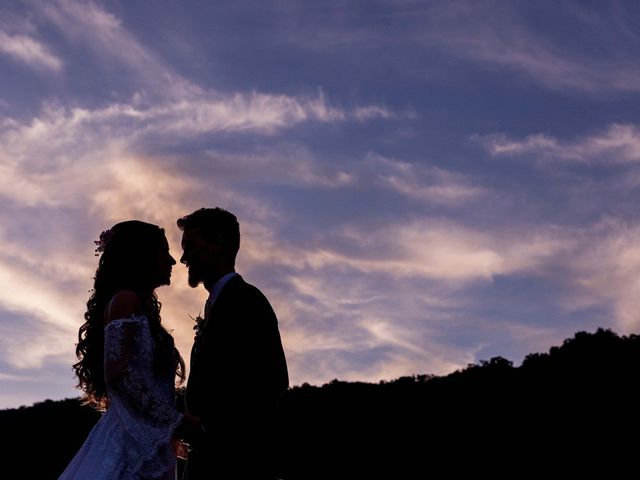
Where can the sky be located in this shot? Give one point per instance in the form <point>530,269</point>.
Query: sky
<point>420,185</point>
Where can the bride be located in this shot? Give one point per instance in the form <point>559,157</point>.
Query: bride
<point>128,362</point>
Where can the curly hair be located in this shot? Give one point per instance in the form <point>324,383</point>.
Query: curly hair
<point>128,250</point>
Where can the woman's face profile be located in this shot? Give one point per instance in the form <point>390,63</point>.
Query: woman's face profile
<point>163,264</point>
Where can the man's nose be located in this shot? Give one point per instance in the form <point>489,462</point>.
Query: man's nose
<point>183,259</point>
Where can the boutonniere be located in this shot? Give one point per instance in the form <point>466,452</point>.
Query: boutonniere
<point>200,324</point>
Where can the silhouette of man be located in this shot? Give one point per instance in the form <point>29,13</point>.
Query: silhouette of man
<point>238,368</point>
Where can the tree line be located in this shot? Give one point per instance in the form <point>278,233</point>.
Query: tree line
<point>574,410</point>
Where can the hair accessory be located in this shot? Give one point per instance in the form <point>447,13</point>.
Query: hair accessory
<point>102,243</point>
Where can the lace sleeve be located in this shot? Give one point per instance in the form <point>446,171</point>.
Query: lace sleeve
<point>147,412</point>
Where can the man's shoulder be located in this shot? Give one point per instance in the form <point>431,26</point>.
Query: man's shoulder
<point>245,289</point>
<point>239,291</point>
<point>237,284</point>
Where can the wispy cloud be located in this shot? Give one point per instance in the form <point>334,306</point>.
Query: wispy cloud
<point>281,165</point>
<point>568,46</point>
<point>175,104</point>
<point>498,34</point>
<point>29,51</point>
<point>424,182</point>
<point>347,326</point>
<point>93,27</point>
<point>618,144</point>
<point>241,112</point>
<point>61,131</point>
<point>26,292</point>
<point>606,271</point>
<point>15,378</point>
<point>373,111</point>
<point>429,248</point>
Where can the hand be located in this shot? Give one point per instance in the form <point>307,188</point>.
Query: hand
<point>181,449</point>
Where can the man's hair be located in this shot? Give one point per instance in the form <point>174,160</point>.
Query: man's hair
<point>214,222</point>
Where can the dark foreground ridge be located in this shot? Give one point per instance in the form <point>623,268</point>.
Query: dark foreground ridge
<point>575,409</point>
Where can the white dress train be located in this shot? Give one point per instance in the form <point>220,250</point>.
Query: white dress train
<point>133,438</point>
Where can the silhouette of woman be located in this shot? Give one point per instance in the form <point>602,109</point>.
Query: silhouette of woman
<point>128,362</point>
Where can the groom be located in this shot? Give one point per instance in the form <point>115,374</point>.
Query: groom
<point>238,368</point>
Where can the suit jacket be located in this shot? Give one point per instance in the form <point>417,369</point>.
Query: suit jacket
<point>238,373</point>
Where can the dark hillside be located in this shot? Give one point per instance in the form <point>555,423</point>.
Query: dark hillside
<point>573,410</point>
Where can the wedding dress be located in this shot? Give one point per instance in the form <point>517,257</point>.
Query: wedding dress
<point>133,438</point>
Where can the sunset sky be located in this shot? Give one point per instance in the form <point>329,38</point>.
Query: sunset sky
<point>420,184</point>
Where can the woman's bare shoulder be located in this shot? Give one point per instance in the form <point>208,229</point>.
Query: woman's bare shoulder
<point>123,304</point>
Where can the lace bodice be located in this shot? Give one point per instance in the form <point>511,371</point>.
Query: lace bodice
<point>130,372</point>
<point>143,398</point>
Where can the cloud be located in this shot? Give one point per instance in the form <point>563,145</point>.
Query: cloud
<point>40,157</point>
<point>174,104</point>
<point>373,111</point>
<point>239,112</point>
<point>447,251</point>
<point>90,25</point>
<point>498,34</point>
<point>618,144</point>
<point>281,165</point>
<point>32,151</point>
<point>524,53</point>
<point>29,51</point>
<point>573,46</point>
<point>14,378</point>
<point>424,182</point>
<point>605,270</point>
<point>413,352</point>
<point>348,325</point>
<point>59,131</point>
<point>52,315</point>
